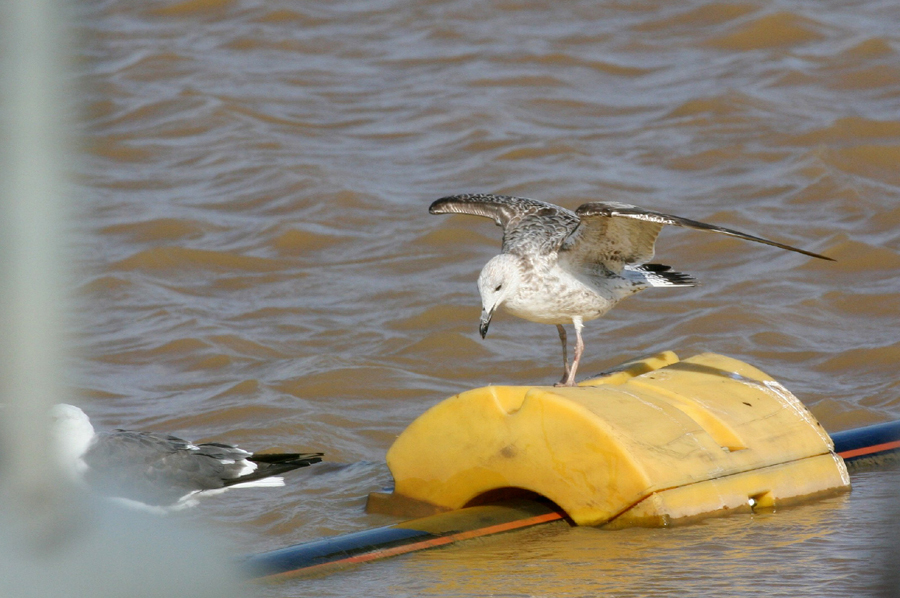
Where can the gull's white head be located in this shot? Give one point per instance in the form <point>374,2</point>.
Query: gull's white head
<point>72,434</point>
<point>498,281</point>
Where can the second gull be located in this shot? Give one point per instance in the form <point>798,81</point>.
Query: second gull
<point>158,472</point>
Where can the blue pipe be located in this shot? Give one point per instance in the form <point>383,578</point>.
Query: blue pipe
<point>326,550</point>
<point>872,441</point>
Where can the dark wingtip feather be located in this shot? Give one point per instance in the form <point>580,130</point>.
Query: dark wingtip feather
<point>445,205</point>
<point>302,459</point>
<point>274,464</point>
<point>435,207</point>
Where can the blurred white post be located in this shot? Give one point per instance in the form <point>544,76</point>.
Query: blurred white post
<point>53,541</point>
<point>33,140</point>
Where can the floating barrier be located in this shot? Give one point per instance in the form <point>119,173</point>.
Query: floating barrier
<point>657,441</point>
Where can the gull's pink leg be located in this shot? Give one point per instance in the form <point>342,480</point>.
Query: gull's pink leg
<point>562,338</point>
<point>579,350</point>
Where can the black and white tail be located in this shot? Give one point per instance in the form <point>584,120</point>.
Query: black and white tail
<point>658,275</point>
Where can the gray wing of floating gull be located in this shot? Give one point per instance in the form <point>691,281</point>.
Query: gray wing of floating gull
<point>530,227</point>
<point>159,470</point>
<point>616,235</point>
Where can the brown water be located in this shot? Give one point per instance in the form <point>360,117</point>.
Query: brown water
<point>257,263</point>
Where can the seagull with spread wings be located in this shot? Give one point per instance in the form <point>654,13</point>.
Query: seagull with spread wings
<point>561,267</point>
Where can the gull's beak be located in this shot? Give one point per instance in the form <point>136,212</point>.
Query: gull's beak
<point>485,322</point>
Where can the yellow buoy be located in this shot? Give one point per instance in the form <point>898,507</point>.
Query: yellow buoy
<point>655,442</point>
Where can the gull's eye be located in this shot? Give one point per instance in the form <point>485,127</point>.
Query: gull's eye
<point>499,286</point>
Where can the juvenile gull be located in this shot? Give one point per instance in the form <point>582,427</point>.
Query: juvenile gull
<point>560,267</point>
<point>160,472</point>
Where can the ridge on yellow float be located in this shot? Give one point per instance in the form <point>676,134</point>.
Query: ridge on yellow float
<point>656,441</point>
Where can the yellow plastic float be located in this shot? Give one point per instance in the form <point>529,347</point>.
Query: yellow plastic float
<point>655,442</point>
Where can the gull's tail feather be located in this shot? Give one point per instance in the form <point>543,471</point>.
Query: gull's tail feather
<point>658,275</point>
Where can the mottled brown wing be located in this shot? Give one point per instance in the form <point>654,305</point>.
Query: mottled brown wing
<point>529,226</point>
<point>616,235</point>
<point>604,238</point>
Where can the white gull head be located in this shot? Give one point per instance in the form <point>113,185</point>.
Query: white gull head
<point>499,280</point>
<point>72,434</point>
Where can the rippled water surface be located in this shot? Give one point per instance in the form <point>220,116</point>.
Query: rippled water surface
<point>257,263</point>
